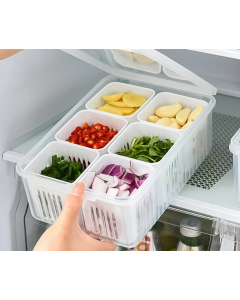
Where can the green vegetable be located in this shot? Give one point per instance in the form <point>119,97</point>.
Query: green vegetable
<point>147,149</point>
<point>63,169</point>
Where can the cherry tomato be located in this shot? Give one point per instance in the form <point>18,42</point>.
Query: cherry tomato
<point>98,126</point>
<point>85,126</point>
<point>83,144</point>
<point>76,130</point>
<point>96,146</point>
<point>93,130</point>
<point>103,143</point>
<point>106,128</point>
<point>90,143</point>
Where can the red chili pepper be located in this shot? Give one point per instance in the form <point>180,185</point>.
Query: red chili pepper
<point>74,139</point>
<point>93,130</point>
<point>94,136</point>
<point>85,126</point>
<point>86,133</point>
<point>106,128</point>
<point>86,139</point>
<point>103,143</point>
<point>90,143</point>
<point>80,140</point>
<point>83,144</point>
<point>96,146</point>
<point>76,130</point>
<point>98,126</point>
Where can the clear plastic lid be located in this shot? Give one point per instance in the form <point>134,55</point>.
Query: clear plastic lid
<point>149,66</point>
<point>235,143</point>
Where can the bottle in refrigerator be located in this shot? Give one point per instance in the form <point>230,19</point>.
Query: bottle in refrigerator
<point>191,236</point>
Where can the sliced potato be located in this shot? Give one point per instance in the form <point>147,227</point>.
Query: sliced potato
<point>118,104</point>
<point>127,54</point>
<point>126,110</point>
<point>134,100</point>
<point>110,109</point>
<point>195,113</point>
<point>135,109</point>
<point>169,111</point>
<point>113,98</point>
<point>153,119</point>
<point>189,123</point>
<point>173,120</point>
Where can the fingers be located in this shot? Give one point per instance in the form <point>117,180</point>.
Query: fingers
<point>5,53</point>
<point>72,205</point>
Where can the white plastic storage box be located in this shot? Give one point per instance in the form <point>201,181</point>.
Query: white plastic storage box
<point>48,194</point>
<point>235,149</point>
<point>230,236</point>
<point>92,117</point>
<point>121,220</point>
<point>116,88</point>
<point>168,177</point>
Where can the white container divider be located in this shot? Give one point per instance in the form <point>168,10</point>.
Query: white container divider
<point>138,130</point>
<point>164,99</point>
<point>234,147</point>
<point>118,87</point>
<point>119,219</point>
<point>48,194</point>
<point>92,117</point>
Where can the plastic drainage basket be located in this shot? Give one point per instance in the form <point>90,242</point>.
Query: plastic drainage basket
<point>92,117</point>
<point>234,147</point>
<point>48,194</point>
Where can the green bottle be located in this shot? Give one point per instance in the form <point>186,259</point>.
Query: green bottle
<point>191,236</point>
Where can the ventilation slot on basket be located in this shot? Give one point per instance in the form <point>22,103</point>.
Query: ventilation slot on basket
<point>109,225</point>
<point>98,218</point>
<point>115,226</point>
<point>83,162</point>
<point>104,222</point>
<point>50,209</point>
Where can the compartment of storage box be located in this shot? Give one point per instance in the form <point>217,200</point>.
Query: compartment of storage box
<point>116,88</point>
<point>92,117</point>
<point>49,194</point>
<point>230,236</point>
<point>165,99</point>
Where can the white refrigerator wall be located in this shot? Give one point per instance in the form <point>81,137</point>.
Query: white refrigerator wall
<point>36,87</point>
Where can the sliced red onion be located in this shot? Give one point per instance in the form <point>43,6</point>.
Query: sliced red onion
<point>135,171</point>
<point>128,178</point>
<point>124,187</point>
<point>140,182</point>
<point>106,177</point>
<point>136,183</point>
<point>89,179</point>
<point>117,171</point>
<point>112,192</point>
<point>132,187</point>
<point>99,185</point>
<point>129,171</point>
<point>133,192</point>
<point>113,183</point>
<point>144,177</point>
<point>123,194</point>
<point>107,170</point>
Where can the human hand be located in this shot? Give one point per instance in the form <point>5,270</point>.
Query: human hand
<point>65,234</point>
<point>5,53</point>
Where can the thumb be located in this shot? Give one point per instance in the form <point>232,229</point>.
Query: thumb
<point>72,205</point>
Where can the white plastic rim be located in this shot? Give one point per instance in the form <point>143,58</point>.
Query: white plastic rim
<point>119,87</point>
<point>164,99</point>
<point>91,117</point>
<point>138,130</point>
<point>108,159</point>
<point>44,159</point>
<point>234,146</point>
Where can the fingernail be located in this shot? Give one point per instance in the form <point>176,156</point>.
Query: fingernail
<point>78,190</point>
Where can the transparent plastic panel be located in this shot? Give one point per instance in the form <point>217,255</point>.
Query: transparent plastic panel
<point>230,236</point>
<point>149,66</point>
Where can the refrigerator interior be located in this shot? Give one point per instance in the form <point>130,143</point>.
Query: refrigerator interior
<point>46,84</point>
